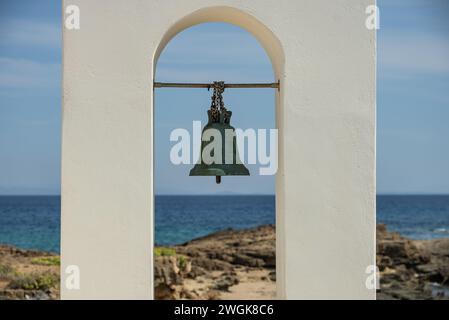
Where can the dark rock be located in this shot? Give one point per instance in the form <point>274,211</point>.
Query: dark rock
<point>244,260</point>
<point>409,268</point>
<point>213,258</point>
<point>225,281</point>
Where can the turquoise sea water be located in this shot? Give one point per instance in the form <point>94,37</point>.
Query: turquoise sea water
<point>33,222</point>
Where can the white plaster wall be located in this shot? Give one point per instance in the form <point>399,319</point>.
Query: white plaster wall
<point>325,59</point>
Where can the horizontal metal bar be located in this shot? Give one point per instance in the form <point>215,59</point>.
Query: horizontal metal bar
<point>210,85</point>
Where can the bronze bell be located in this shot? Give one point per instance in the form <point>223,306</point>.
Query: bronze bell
<point>229,163</point>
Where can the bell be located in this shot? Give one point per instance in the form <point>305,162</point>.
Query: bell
<point>219,158</point>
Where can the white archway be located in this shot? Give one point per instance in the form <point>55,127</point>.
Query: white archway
<point>324,57</point>
<point>274,50</point>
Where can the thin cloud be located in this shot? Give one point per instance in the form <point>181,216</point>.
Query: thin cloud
<point>215,48</point>
<point>200,55</point>
<point>30,33</point>
<point>406,4</point>
<point>413,53</point>
<point>23,73</point>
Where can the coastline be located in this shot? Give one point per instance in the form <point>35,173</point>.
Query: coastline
<point>239,264</point>
<point>412,269</point>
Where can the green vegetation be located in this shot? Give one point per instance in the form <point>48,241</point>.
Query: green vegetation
<point>170,252</point>
<point>34,281</point>
<point>164,252</point>
<point>7,272</point>
<point>182,262</point>
<point>47,261</point>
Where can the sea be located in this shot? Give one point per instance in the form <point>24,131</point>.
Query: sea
<point>33,222</point>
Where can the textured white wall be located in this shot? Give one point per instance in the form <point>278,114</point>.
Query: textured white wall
<point>325,59</point>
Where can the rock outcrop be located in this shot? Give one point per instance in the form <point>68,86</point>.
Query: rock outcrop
<point>218,263</point>
<point>412,269</point>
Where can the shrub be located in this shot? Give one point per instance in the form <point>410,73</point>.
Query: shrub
<point>164,252</point>
<point>34,281</point>
<point>6,272</point>
<point>47,261</point>
<point>182,262</point>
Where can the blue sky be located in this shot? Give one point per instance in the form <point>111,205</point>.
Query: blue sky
<point>30,100</point>
<point>205,53</point>
<point>413,97</point>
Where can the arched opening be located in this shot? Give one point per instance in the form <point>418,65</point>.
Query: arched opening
<point>274,51</point>
<point>232,16</point>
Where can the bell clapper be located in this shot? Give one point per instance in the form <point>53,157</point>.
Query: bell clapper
<point>218,179</point>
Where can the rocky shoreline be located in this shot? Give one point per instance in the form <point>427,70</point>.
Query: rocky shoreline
<point>239,264</point>
<point>228,264</point>
<point>412,269</point>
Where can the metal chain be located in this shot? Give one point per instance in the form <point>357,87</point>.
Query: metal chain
<point>217,107</point>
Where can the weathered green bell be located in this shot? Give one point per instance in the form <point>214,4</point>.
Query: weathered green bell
<point>219,158</point>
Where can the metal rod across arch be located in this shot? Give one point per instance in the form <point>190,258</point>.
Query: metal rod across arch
<point>275,85</point>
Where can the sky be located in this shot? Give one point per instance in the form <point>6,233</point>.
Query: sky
<point>207,53</point>
<point>412,98</point>
<point>30,99</point>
